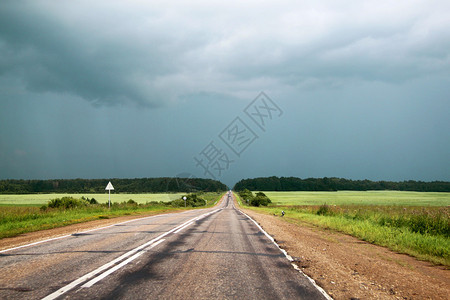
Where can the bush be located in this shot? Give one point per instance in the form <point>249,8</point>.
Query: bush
<point>324,210</point>
<point>154,203</point>
<point>192,200</point>
<point>132,202</point>
<point>247,197</point>
<point>67,203</point>
<point>260,200</point>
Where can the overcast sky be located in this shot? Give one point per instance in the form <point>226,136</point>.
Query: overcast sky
<point>107,89</point>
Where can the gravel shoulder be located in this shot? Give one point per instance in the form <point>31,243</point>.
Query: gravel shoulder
<point>348,268</point>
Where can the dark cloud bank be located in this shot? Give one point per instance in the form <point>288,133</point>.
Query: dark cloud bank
<point>130,89</point>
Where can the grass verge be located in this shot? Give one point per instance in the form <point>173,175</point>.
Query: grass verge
<point>17,220</point>
<point>422,232</point>
<point>40,199</point>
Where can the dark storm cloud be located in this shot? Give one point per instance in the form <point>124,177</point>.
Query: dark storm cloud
<point>101,65</point>
<point>150,52</point>
<point>364,86</point>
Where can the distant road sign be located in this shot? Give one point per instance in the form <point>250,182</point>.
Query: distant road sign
<point>109,187</point>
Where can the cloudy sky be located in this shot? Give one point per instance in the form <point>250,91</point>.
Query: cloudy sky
<point>108,89</point>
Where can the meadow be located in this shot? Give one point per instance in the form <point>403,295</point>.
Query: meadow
<point>40,199</point>
<point>27,213</point>
<point>407,222</point>
<point>395,198</point>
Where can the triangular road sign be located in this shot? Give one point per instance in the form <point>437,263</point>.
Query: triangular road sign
<point>109,187</point>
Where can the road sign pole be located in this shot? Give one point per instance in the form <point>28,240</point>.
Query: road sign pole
<point>109,187</point>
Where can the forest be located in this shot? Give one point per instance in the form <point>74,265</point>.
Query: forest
<point>136,185</point>
<point>337,184</point>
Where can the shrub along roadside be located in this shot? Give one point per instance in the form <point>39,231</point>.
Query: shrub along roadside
<point>192,200</point>
<point>422,233</point>
<point>260,199</point>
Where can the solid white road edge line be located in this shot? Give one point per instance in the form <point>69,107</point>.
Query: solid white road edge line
<point>69,235</point>
<point>88,276</point>
<point>90,230</point>
<point>35,243</point>
<point>321,290</point>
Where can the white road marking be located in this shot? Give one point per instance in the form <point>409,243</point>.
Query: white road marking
<point>112,270</point>
<point>133,253</point>
<point>321,290</point>
<point>90,230</point>
<point>36,243</point>
<point>197,219</point>
<point>90,275</point>
<point>184,227</point>
<point>82,232</point>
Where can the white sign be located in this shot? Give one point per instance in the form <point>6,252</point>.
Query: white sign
<point>109,187</point>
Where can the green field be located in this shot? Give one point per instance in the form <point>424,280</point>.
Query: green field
<point>414,223</point>
<point>40,199</point>
<point>398,198</point>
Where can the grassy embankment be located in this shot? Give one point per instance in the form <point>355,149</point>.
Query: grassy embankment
<point>22,213</point>
<point>407,222</point>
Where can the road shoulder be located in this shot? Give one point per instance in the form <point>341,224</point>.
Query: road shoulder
<point>348,268</point>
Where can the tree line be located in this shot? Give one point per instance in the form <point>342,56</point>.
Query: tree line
<point>335,184</point>
<point>136,185</point>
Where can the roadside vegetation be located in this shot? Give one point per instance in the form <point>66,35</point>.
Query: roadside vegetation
<point>420,231</point>
<point>16,219</point>
<point>41,199</point>
<point>260,199</point>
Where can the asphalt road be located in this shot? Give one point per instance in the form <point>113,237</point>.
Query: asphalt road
<point>216,253</point>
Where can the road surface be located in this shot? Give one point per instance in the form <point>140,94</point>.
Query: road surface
<point>216,253</point>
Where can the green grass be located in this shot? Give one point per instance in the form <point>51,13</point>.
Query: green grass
<point>360,198</point>
<point>407,222</point>
<point>22,213</point>
<point>15,220</point>
<point>211,198</point>
<point>40,199</point>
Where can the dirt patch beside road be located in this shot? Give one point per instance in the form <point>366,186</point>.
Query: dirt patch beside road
<point>348,268</point>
